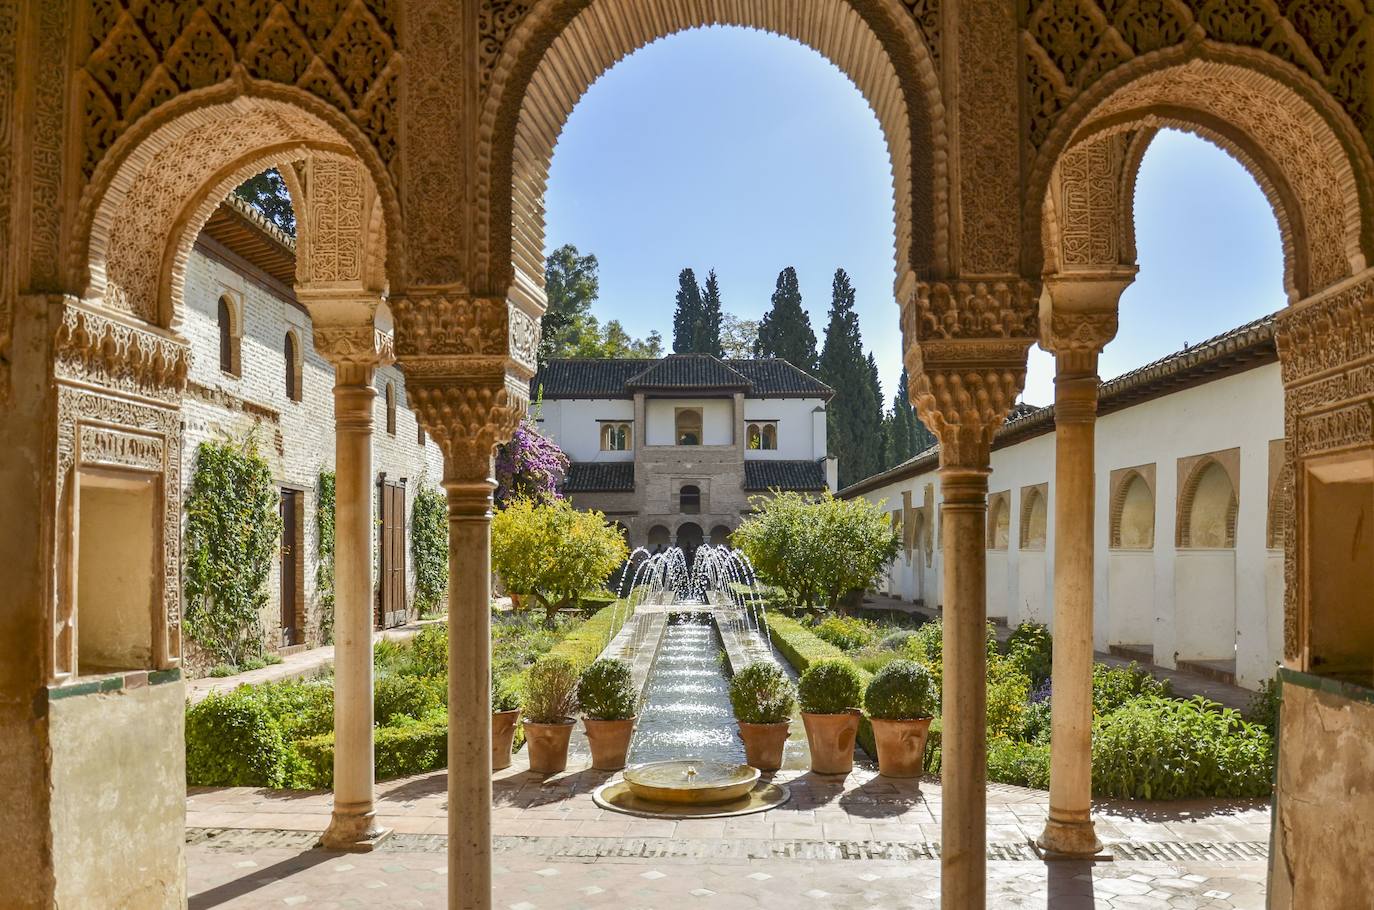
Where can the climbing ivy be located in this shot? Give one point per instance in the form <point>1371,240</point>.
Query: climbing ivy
<point>429,548</point>
<point>324,566</point>
<point>232,529</point>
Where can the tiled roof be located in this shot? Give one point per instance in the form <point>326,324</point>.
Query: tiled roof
<point>761,475</point>
<point>689,371</point>
<point>766,378</point>
<point>1243,348</point>
<point>600,477</point>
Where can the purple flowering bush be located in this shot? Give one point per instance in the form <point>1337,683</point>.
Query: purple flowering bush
<point>530,466</point>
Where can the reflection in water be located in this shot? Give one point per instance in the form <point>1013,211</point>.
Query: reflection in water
<point>686,712</point>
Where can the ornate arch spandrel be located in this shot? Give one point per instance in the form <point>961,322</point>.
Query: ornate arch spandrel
<point>537,59</point>
<point>1283,126</point>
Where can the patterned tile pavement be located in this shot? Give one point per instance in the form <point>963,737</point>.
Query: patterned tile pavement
<point>862,842</point>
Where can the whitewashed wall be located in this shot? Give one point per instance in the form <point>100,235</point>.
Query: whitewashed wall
<point>717,417</point>
<point>798,436</point>
<point>574,423</point>
<point>1231,599</point>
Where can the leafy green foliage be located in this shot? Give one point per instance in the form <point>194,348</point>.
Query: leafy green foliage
<point>234,741</point>
<point>785,330</point>
<point>324,567</point>
<point>830,686</point>
<point>1022,764</point>
<point>1263,709</point>
<point>413,747</point>
<point>1161,748</point>
<point>553,551</point>
<point>1008,689</point>
<point>854,418</point>
<point>267,193</point>
<point>1115,686</point>
<point>395,697</point>
<point>697,316</point>
<point>568,328</point>
<point>902,690</point>
<point>232,528</point>
<point>605,691</point>
<point>761,693</point>
<point>551,690</point>
<point>1035,723</point>
<point>846,632</point>
<point>429,549</point>
<point>817,550</point>
<point>1032,648</point>
<point>738,337</point>
<point>505,693</point>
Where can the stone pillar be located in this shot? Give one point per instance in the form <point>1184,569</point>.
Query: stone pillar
<point>966,348</point>
<point>356,351</point>
<point>470,392</point>
<point>1080,322</point>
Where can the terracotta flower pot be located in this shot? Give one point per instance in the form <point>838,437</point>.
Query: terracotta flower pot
<point>763,744</point>
<point>503,737</point>
<point>831,739</point>
<point>901,745</point>
<point>548,745</point>
<point>610,742</point>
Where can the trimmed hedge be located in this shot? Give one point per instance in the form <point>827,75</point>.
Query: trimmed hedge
<point>802,648</point>
<point>234,741</point>
<point>584,644</point>
<point>410,748</point>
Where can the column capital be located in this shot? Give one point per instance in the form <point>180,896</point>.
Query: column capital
<point>467,417</point>
<point>966,344</point>
<point>1078,316</point>
<point>346,331</point>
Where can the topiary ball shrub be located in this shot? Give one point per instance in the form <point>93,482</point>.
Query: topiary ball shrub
<point>830,686</point>
<point>902,690</point>
<point>395,697</point>
<point>846,632</point>
<point>1161,748</point>
<point>761,693</point>
<point>551,690</point>
<point>606,690</point>
<point>234,741</point>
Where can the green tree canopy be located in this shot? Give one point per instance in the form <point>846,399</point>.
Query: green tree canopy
<point>600,343</point>
<point>738,337</point>
<point>687,315</point>
<point>572,284</point>
<point>906,435</point>
<point>267,193</point>
<point>785,331</point>
<point>706,337</point>
<point>817,550</point>
<point>553,552</point>
<point>854,415</point>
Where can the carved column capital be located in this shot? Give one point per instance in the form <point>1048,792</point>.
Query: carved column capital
<point>1078,317</point>
<point>966,344</point>
<point>467,329</point>
<point>467,418</point>
<point>347,333</point>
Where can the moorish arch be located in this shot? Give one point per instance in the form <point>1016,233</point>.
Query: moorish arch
<point>549,58</point>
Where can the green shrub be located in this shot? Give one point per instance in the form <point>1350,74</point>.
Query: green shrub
<point>301,708</point>
<point>396,696</point>
<point>389,655</point>
<point>1263,709</point>
<point>1032,648</point>
<point>903,690</point>
<point>1035,723</point>
<point>802,649</point>
<point>234,741</point>
<point>1008,690</point>
<point>1021,764</point>
<point>1161,748</point>
<point>606,690</point>
<point>505,693</point>
<point>429,549</point>
<point>592,601</point>
<point>220,671</point>
<point>410,748</point>
<point>871,660</point>
<point>898,641</point>
<point>761,693</point>
<point>1114,686</point>
<point>586,641</point>
<point>830,687</point>
<point>551,690</point>
<point>253,663</point>
<point>846,632</point>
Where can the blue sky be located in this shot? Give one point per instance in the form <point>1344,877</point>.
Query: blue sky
<point>737,150</point>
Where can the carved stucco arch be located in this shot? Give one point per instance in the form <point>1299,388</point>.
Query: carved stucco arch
<point>150,196</point>
<point>1121,491</point>
<point>559,49</point>
<point>1299,146</point>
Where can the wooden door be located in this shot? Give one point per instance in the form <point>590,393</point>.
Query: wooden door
<point>391,609</point>
<point>290,569</point>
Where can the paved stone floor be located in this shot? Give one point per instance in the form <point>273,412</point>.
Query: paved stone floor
<point>857,843</point>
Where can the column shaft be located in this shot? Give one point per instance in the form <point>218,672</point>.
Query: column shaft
<point>1069,829</point>
<point>469,694</point>
<point>963,763</point>
<point>353,826</point>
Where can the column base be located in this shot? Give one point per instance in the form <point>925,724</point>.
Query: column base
<point>353,832</point>
<point>1075,839</point>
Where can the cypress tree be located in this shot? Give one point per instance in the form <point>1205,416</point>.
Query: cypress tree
<point>688,313</point>
<point>706,337</point>
<point>785,331</point>
<point>843,368</point>
<point>875,453</point>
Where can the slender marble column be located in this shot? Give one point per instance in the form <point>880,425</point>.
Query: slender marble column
<point>354,824</point>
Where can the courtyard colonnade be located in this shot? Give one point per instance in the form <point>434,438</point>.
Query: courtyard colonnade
<point>416,137</point>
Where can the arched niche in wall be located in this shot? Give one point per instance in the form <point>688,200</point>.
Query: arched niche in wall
<point>659,538</point>
<point>1034,516</point>
<point>1207,502</point>
<point>999,520</point>
<point>1133,508</point>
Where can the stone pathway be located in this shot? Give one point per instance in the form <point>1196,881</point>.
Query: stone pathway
<point>864,841</point>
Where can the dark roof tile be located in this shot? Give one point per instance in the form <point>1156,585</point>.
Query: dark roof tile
<point>805,476</point>
<point>587,378</point>
<point>689,371</point>
<point>600,477</point>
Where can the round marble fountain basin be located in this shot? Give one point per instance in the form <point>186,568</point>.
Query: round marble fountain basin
<point>691,782</point>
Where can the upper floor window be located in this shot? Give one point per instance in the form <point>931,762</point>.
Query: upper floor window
<point>229,333</point>
<point>615,437</point>
<point>689,499</point>
<point>419,434</point>
<point>762,434</point>
<point>391,408</point>
<point>292,350</point>
<point>687,427</point>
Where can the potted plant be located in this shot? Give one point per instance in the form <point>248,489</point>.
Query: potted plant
<point>505,714</point>
<point>607,695</point>
<point>830,692</point>
<point>901,702</point>
<point>763,698</point>
<point>549,703</point>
